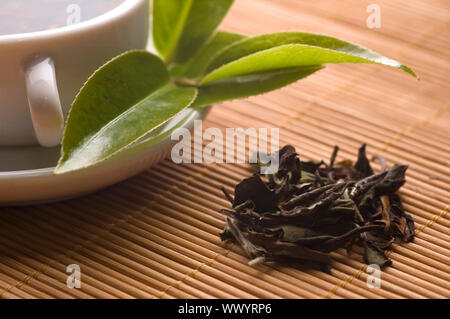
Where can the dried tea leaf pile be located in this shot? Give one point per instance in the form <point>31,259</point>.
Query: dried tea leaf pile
<point>306,210</point>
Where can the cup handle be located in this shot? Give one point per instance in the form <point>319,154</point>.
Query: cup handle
<point>44,102</point>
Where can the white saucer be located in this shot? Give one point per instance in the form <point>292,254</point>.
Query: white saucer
<point>26,173</point>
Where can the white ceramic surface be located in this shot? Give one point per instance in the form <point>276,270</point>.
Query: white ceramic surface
<point>26,173</point>
<point>45,62</point>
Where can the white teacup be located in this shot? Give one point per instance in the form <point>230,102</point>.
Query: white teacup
<point>41,72</point>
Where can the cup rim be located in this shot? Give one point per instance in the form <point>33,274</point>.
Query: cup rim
<point>117,12</point>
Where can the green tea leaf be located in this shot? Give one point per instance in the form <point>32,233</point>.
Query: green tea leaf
<point>248,85</point>
<point>281,57</point>
<point>196,67</point>
<point>124,100</point>
<point>182,27</point>
<point>256,44</point>
<point>169,18</point>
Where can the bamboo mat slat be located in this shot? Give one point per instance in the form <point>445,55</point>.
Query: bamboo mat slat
<point>156,235</point>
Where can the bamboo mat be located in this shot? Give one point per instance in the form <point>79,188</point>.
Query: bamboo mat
<point>156,235</point>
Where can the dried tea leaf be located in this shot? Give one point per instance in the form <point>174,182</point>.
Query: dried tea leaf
<point>325,243</point>
<point>250,249</point>
<point>254,189</point>
<point>373,255</point>
<point>292,233</point>
<point>403,223</point>
<point>378,239</point>
<point>362,166</point>
<point>308,209</point>
<point>276,248</point>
